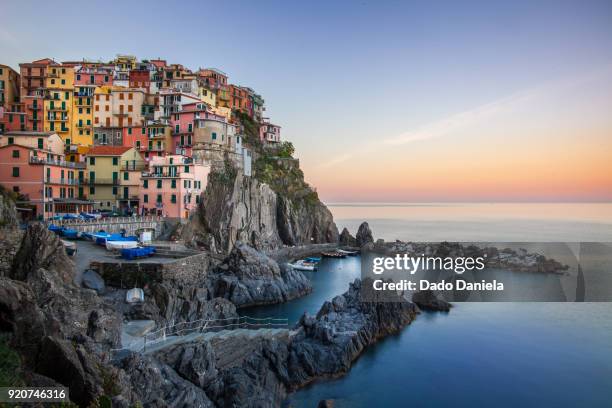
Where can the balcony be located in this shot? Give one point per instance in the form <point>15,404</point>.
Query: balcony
<point>120,113</point>
<point>65,181</point>
<point>102,181</point>
<point>62,163</point>
<point>132,167</point>
<point>165,174</point>
<point>57,108</point>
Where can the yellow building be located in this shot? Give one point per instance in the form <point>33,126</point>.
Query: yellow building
<point>57,108</point>
<point>9,86</point>
<point>113,174</point>
<point>125,62</point>
<point>83,115</point>
<point>207,96</point>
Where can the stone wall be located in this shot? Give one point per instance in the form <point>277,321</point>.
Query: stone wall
<point>10,241</point>
<point>139,274</point>
<point>115,224</point>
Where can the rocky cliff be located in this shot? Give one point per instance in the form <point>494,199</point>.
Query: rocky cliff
<point>248,278</point>
<point>8,212</point>
<point>266,211</point>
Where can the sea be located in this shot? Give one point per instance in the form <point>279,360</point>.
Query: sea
<point>495,354</point>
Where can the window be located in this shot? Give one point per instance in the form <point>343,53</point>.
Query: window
<point>115,176</point>
<point>92,176</point>
<point>145,198</point>
<point>186,169</point>
<point>214,136</point>
<point>114,190</point>
<point>173,183</point>
<point>159,184</point>
<point>11,140</point>
<point>126,175</point>
<point>138,144</point>
<point>129,131</point>
<point>173,199</point>
<point>176,128</point>
<point>145,183</point>
<point>15,171</point>
<point>159,198</point>
<point>92,161</point>
<point>115,161</point>
<point>16,154</point>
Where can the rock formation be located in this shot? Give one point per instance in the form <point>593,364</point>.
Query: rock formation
<point>364,235</point>
<point>248,278</point>
<point>346,239</point>
<point>427,300</point>
<point>241,208</point>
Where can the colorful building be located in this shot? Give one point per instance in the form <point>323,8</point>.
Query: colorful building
<point>32,91</point>
<point>32,164</point>
<point>59,89</point>
<point>83,114</point>
<point>172,186</point>
<point>110,169</point>
<point>9,86</point>
<point>118,107</point>
<point>269,132</point>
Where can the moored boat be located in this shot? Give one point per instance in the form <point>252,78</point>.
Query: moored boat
<point>302,265</point>
<point>347,252</point>
<point>334,254</point>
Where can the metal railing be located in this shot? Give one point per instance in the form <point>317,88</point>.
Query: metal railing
<point>207,325</point>
<point>106,220</point>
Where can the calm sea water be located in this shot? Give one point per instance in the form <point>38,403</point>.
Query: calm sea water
<point>479,354</point>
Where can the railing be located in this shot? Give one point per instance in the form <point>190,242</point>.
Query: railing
<point>67,181</point>
<point>73,165</point>
<point>205,325</point>
<point>107,220</point>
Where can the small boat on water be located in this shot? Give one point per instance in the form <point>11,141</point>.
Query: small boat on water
<point>302,265</point>
<point>55,229</point>
<point>335,254</point>
<point>349,253</point>
<point>135,253</point>
<point>313,259</point>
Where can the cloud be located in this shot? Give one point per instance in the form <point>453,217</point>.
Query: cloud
<point>460,120</point>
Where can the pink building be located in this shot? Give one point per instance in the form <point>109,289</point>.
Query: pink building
<point>269,132</point>
<point>172,186</point>
<point>47,183</point>
<point>184,122</point>
<point>98,76</point>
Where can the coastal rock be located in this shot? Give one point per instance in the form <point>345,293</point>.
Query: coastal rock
<point>364,235</point>
<point>427,300</point>
<point>248,277</point>
<point>91,280</point>
<point>236,208</point>
<point>346,239</point>
<point>157,384</point>
<point>8,211</point>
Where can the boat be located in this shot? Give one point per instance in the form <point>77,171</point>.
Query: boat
<point>302,265</point>
<point>333,254</point>
<point>112,245</point>
<point>71,248</point>
<point>135,295</point>
<point>313,259</point>
<point>69,233</point>
<point>135,253</point>
<point>55,228</point>
<point>349,253</point>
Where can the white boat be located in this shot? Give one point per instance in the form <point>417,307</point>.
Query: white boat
<point>135,295</point>
<point>345,252</point>
<point>301,265</point>
<point>117,245</point>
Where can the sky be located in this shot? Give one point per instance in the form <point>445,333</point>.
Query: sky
<point>398,101</point>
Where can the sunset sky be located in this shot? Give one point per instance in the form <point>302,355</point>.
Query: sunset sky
<point>393,101</point>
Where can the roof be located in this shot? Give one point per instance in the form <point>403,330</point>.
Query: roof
<point>108,150</point>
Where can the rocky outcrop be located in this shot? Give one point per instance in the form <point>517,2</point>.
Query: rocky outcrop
<point>346,239</point>
<point>8,211</point>
<point>241,208</point>
<point>259,372</point>
<point>427,300</point>
<point>61,331</point>
<point>364,235</point>
<point>248,278</point>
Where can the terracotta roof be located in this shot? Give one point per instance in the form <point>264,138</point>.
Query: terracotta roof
<point>108,150</point>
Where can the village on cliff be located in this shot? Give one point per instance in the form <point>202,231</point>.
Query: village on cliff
<point>124,137</point>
